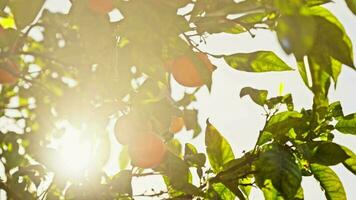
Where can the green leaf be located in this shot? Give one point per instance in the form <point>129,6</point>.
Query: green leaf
<point>339,47</point>
<point>335,110</point>
<point>328,153</point>
<point>352,5</point>
<point>286,99</point>
<point>296,34</point>
<point>347,124</point>
<point>259,61</point>
<point>350,163</point>
<point>317,2</point>
<point>223,192</point>
<point>329,181</point>
<point>122,182</point>
<point>234,188</point>
<point>217,147</point>
<point>258,96</point>
<point>177,172</point>
<point>192,156</point>
<point>279,166</point>
<point>303,72</point>
<point>269,192</point>
<point>282,122</point>
<point>24,12</point>
<point>124,158</point>
<point>191,121</point>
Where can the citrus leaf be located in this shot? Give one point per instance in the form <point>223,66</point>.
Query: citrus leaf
<point>217,147</point>
<point>328,153</point>
<point>282,122</point>
<point>350,163</point>
<point>280,167</point>
<point>124,158</point>
<point>347,124</point>
<point>234,188</point>
<point>259,61</point>
<point>352,5</point>
<point>296,34</point>
<point>329,181</point>
<point>223,192</point>
<point>258,96</point>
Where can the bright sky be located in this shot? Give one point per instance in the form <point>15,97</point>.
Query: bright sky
<point>240,120</point>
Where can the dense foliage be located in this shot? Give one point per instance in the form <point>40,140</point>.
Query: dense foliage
<point>86,69</point>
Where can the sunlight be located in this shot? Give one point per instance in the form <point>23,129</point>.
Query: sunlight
<point>74,152</point>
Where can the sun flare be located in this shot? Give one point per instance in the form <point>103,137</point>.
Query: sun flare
<point>74,153</point>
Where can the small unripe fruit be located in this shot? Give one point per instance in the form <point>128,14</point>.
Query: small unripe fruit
<point>176,125</point>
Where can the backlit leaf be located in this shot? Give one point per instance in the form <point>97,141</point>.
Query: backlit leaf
<point>329,181</point>
<point>258,96</point>
<point>350,163</point>
<point>259,61</point>
<point>217,147</point>
<point>280,167</point>
<point>347,124</point>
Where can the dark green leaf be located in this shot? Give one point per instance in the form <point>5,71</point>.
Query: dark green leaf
<point>191,121</point>
<point>234,188</point>
<point>329,181</point>
<point>24,12</point>
<point>258,96</point>
<point>259,61</point>
<point>352,5</point>
<point>177,172</point>
<point>328,153</point>
<point>279,166</point>
<point>335,110</point>
<point>192,156</point>
<point>347,124</point>
<point>286,99</point>
<point>350,163</point>
<point>317,2</point>
<point>217,147</point>
<point>122,182</point>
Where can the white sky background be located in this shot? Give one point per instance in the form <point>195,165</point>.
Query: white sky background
<point>240,120</point>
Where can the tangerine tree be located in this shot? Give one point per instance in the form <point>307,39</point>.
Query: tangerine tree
<point>106,67</point>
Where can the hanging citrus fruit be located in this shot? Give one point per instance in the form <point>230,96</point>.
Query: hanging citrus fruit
<point>129,127</point>
<point>147,151</point>
<point>185,71</point>
<point>176,125</point>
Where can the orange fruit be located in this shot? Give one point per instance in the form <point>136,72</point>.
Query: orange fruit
<point>128,128</point>
<point>147,151</point>
<point>7,77</point>
<point>101,6</point>
<point>176,125</point>
<point>186,73</point>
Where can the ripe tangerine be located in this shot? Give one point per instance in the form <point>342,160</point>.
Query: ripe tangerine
<point>147,151</point>
<point>186,73</point>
